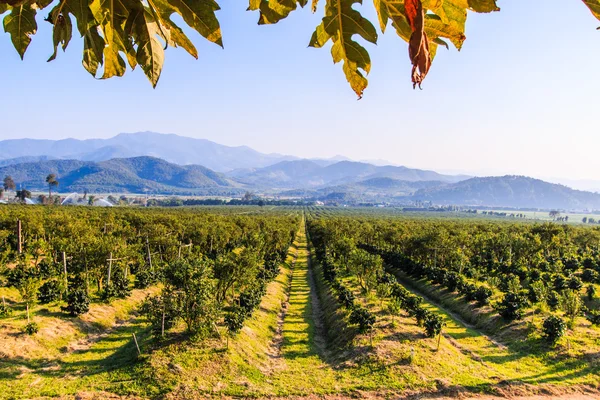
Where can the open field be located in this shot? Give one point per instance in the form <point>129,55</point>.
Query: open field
<point>346,314</point>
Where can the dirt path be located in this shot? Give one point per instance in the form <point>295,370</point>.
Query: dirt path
<point>317,312</point>
<point>275,348</point>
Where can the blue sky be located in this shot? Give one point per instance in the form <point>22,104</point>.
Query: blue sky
<point>521,97</point>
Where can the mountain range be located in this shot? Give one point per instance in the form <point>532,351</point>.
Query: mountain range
<point>129,175</point>
<point>169,147</point>
<point>170,164</point>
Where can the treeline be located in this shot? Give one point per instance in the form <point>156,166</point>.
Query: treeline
<point>207,262</point>
<point>178,202</point>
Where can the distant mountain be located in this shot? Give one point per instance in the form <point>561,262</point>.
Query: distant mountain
<point>24,159</point>
<point>306,174</point>
<point>510,191</point>
<point>172,148</point>
<point>134,175</point>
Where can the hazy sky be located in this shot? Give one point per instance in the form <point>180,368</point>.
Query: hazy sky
<point>523,96</point>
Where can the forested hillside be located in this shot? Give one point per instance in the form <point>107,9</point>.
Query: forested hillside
<point>135,175</point>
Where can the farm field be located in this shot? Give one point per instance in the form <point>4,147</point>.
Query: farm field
<point>291,302</point>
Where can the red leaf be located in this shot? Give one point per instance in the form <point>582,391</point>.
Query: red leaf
<point>418,45</point>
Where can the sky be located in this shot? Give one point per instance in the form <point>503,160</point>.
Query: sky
<point>521,97</point>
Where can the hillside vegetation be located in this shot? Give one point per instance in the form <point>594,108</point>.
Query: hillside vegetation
<point>135,175</point>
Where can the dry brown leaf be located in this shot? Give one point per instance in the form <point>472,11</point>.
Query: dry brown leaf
<point>418,45</point>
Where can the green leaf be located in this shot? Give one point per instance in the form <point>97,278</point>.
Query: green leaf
<point>81,11</point>
<point>340,23</point>
<point>441,43</point>
<point>150,53</point>
<point>61,33</point>
<point>200,15</point>
<point>4,8</point>
<point>41,4</point>
<point>21,25</point>
<point>93,46</point>
<point>483,6</point>
<point>176,36</point>
<point>112,15</point>
<point>594,6</point>
<point>273,11</point>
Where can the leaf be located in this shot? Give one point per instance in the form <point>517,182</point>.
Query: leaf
<point>594,6</point>
<point>441,43</point>
<point>93,46</point>
<point>314,5</point>
<point>176,35</point>
<point>340,23</point>
<point>81,11</point>
<point>3,8</point>
<point>483,6</point>
<point>273,11</point>
<point>111,16</point>
<point>21,25</point>
<point>41,4</point>
<point>150,53</point>
<point>200,15</point>
<point>61,33</point>
<point>418,45</point>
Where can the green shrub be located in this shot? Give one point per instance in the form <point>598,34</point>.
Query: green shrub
<point>593,317</point>
<point>31,328</point>
<point>153,308</point>
<point>78,302</point>
<point>591,292</point>
<point>511,307</point>
<point>234,320</point>
<point>363,318</point>
<point>482,295</point>
<point>5,310</point>
<point>574,283</point>
<point>433,325</point>
<point>145,278</point>
<point>553,329</point>
<point>590,276</point>
<point>553,300</point>
<point>49,291</point>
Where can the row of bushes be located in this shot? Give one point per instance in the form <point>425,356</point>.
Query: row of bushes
<point>451,280</point>
<point>359,315</point>
<point>250,299</point>
<point>413,305</point>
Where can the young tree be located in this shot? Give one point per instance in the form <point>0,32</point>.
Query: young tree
<point>366,267</point>
<point>52,182</point>
<point>9,183</point>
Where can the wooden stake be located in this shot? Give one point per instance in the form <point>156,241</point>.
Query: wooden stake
<point>438,343</point>
<point>136,344</point>
<point>149,255</point>
<point>66,276</point>
<point>162,328</point>
<point>27,304</point>
<point>3,301</point>
<point>110,260</point>
<point>19,237</point>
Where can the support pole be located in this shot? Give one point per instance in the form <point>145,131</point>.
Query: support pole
<point>110,260</point>
<point>19,237</point>
<point>137,345</point>
<point>64,255</point>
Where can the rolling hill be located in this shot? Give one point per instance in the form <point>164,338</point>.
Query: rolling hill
<point>510,191</point>
<point>135,175</point>
<point>306,174</point>
<point>172,148</point>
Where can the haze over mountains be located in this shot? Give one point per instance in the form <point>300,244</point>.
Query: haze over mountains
<point>172,164</point>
